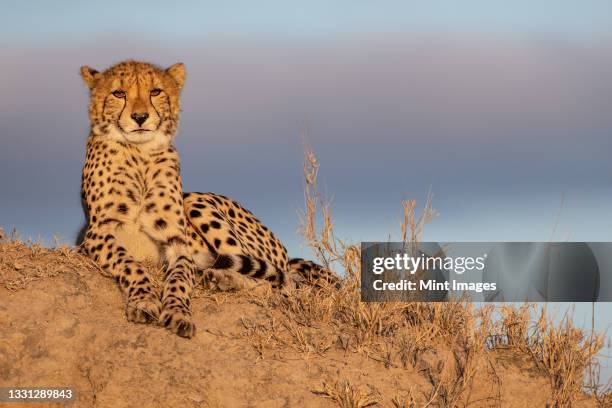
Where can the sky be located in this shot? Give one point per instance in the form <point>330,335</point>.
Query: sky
<point>501,109</point>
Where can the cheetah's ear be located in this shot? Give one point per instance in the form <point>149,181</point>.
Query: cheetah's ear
<point>89,75</point>
<point>177,72</point>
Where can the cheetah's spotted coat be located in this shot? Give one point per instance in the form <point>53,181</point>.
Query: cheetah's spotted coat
<point>136,209</point>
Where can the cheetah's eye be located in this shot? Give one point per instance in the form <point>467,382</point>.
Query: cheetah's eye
<point>119,94</point>
<point>155,92</point>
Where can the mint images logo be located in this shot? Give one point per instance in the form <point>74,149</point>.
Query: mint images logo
<point>489,272</point>
<point>403,263</point>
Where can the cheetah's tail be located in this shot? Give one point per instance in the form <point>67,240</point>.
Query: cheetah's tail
<point>312,273</point>
<point>223,269</point>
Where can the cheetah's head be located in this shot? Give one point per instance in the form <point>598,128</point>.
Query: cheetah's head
<point>135,102</point>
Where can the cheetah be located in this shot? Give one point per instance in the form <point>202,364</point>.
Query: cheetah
<point>137,213</point>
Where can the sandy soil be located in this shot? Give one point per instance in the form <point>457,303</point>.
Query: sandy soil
<point>63,325</point>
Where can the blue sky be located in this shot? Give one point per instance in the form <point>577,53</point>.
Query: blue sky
<point>501,109</point>
<point>42,20</point>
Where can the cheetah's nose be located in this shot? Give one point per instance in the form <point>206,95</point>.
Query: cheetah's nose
<point>140,118</point>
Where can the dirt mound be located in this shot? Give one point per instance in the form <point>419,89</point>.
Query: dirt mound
<point>62,325</point>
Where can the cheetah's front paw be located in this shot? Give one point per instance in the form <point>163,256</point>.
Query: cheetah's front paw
<point>143,310</point>
<point>178,322</point>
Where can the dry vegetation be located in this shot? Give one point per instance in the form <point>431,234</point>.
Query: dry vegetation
<point>425,354</point>
<point>408,331</point>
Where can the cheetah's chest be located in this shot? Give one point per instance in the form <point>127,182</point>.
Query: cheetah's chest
<point>139,190</point>
<point>130,234</point>
<point>138,244</point>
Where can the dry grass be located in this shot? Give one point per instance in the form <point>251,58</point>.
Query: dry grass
<point>346,395</point>
<point>602,393</point>
<point>565,353</point>
<point>409,333</point>
<point>24,262</point>
<point>407,400</point>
